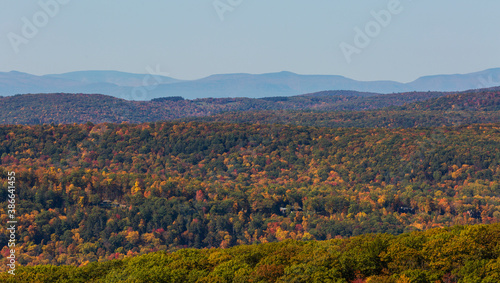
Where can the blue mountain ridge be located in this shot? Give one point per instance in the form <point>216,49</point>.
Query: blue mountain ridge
<point>145,87</point>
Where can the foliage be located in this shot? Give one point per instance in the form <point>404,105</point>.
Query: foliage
<point>91,193</point>
<point>456,254</point>
<point>370,110</point>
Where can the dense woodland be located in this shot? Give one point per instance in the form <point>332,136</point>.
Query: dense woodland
<point>385,118</point>
<point>322,109</point>
<point>405,109</point>
<point>449,110</point>
<point>294,175</point>
<point>100,192</point>
<point>459,254</point>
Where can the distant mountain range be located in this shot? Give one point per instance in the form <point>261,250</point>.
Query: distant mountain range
<point>145,87</point>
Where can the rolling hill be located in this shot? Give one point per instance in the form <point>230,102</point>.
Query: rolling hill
<point>326,108</point>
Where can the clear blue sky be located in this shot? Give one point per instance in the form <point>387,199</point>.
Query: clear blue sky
<point>188,39</point>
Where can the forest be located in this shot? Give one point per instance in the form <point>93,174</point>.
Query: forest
<point>456,254</point>
<point>321,109</point>
<point>401,187</point>
<point>94,193</point>
<point>429,110</point>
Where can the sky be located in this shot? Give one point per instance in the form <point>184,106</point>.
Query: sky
<point>190,39</point>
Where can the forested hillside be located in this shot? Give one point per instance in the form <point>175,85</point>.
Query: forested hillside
<point>385,118</point>
<point>459,254</point>
<point>449,110</point>
<point>322,109</point>
<point>470,101</point>
<point>80,108</point>
<point>100,192</point>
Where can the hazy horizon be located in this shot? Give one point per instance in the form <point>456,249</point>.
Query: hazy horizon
<point>380,40</point>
